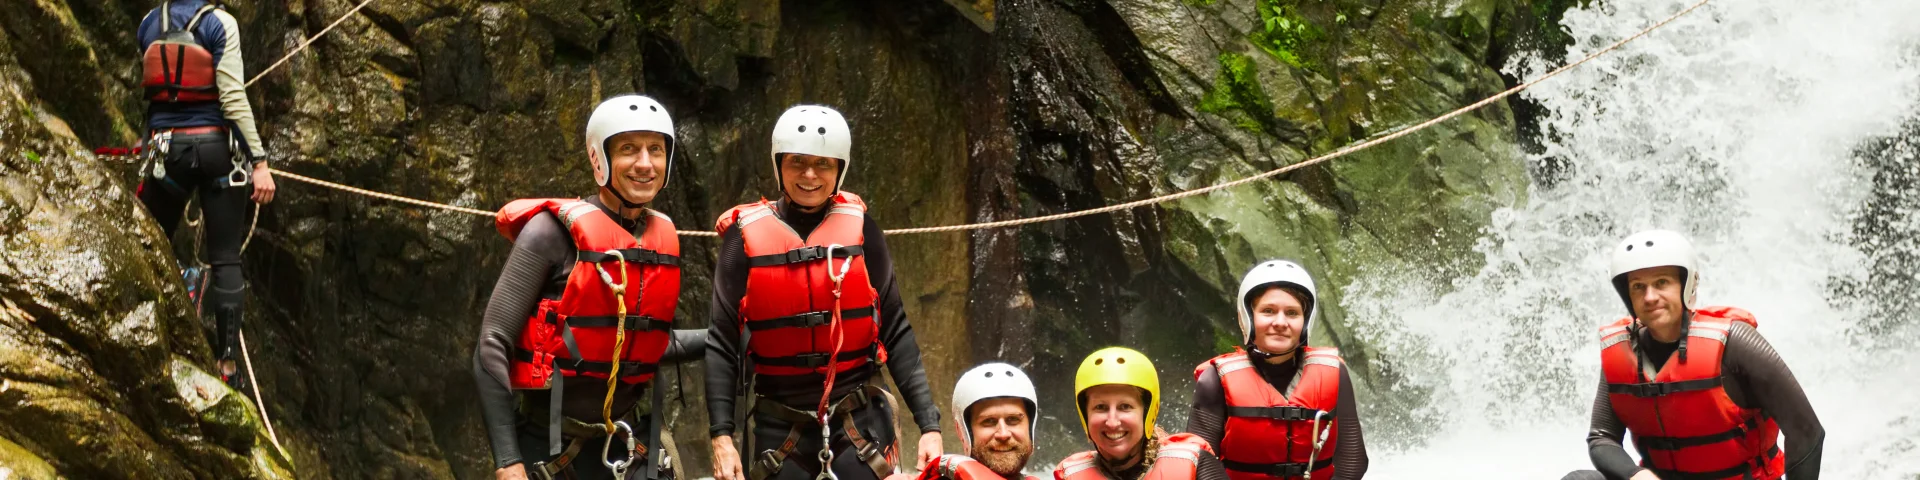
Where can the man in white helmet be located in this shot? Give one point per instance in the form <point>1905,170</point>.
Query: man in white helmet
<point>806,309</point>
<point>582,315</point>
<point>994,407</point>
<point>1705,396</point>
<point>1275,407</point>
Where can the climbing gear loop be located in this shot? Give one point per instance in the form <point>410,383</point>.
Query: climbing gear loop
<point>619,467</point>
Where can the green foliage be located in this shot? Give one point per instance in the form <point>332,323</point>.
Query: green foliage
<point>1286,33</point>
<point>1237,94</point>
<point>33,157</point>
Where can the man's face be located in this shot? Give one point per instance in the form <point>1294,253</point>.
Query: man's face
<point>1002,435</point>
<point>639,161</point>
<point>1655,293</point>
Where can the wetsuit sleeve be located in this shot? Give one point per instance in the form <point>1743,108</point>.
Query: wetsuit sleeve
<point>1771,387</point>
<point>541,245</point>
<point>1208,418</point>
<point>903,352</point>
<point>1603,440</point>
<point>686,345</point>
<point>724,349</point>
<point>1208,467</point>
<point>230,77</point>
<point>1350,456</point>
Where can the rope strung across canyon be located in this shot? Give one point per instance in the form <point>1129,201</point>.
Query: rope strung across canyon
<point>1344,151</point>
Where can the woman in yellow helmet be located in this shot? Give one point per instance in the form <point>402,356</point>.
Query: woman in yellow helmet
<point>1118,397</point>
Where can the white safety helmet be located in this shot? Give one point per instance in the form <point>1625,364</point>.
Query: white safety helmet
<point>1655,248</point>
<point>814,130</point>
<point>1274,273</point>
<point>622,114</point>
<point>993,380</point>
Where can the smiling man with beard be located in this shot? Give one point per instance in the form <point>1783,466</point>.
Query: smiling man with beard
<point>994,406</point>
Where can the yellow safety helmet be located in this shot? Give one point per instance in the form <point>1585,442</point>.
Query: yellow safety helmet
<point>1118,366</point>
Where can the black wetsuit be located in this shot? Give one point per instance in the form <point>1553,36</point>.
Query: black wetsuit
<point>1755,378</point>
<point>802,392</point>
<point>541,260</point>
<point>1209,416</point>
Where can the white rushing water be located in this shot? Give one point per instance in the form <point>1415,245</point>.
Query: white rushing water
<point>1737,125</point>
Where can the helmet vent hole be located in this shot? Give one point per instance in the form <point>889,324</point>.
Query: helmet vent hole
<point>1098,361</point>
<point>803,129</point>
<point>989,374</point>
<point>633,107</point>
<point>1121,360</point>
<point>823,130</point>
<point>1649,243</point>
<point>655,108</point>
<point>1629,248</point>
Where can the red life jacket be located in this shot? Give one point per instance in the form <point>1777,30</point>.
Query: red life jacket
<point>1682,420</point>
<point>960,467</point>
<point>1269,434</point>
<point>175,67</point>
<point>789,306</point>
<point>575,335</point>
<point>1179,459</point>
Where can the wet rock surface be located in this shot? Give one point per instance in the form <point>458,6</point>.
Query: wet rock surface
<point>362,312</point>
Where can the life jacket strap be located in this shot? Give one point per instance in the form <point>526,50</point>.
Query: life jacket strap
<point>627,369</point>
<point>1282,470</point>
<point>1290,414</point>
<point>813,360</point>
<point>1740,471</point>
<point>1658,389</point>
<point>808,320</point>
<point>804,254</point>
<point>631,255</point>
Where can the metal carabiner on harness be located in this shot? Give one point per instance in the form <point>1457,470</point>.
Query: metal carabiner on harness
<point>156,153</point>
<point>826,436</point>
<point>619,467</point>
<point>239,176</point>
<point>845,266</point>
<point>1319,439</point>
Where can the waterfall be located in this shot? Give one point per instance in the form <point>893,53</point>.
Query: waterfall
<point>1743,126</point>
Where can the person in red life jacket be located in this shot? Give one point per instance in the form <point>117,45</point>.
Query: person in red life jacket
<point>1117,393</point>
<point>806,309</point>
<point>1275,408</point>
<point>201,139</point>
<point>1704,395</point>
<point>994,406</point>
<point>582,316</point>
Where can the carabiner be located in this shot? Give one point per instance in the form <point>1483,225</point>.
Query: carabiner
<point>619,289</point>
<point>826,432</point>
<point>619,468</point>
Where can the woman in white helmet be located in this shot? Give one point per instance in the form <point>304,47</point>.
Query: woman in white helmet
<point>994,406</point>
<point>554,372</point>
<point>805,308</point>
<point>1275,407</point>
<point>1705,396</point>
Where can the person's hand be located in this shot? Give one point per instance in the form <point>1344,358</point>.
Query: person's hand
<point>726,460</point>
<point>1645,475</point>
<point>929,447</point>
<point>262,184</point>
<point>516,471</point>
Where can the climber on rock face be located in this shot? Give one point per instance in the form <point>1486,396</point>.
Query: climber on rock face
<point>1705,396</point>
<point>582,316</point>
<point>1275,407</point>
<point>201,134</point>
<point>1117,393</point>
<point>994,406</point>
<point>807,310</point>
